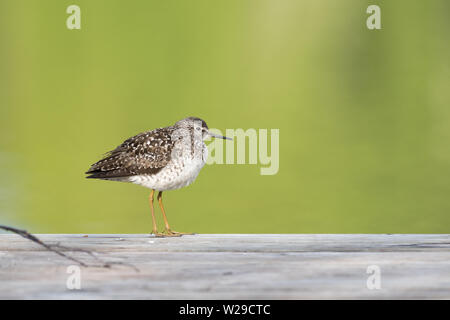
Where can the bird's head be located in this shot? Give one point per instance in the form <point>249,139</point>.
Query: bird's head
<point>198,126</point>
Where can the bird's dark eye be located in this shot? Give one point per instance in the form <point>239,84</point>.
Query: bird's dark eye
<point>198,128</point>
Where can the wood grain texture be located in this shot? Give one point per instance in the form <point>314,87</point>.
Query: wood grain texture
<point>232,266</point>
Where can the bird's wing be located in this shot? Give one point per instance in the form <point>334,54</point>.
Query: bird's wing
<point>145,153</point>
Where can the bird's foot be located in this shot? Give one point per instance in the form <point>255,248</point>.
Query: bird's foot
<point>171,233</point>
<point>157,234</point>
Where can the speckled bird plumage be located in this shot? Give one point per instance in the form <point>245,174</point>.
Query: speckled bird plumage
<point>161,159</point>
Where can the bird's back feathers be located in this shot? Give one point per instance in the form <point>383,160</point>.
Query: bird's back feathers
<point>146,153</point>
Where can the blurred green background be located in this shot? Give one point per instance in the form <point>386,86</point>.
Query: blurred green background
<point>364,116</point>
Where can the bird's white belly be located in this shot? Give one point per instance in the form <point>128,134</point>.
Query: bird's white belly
<point>177,174</point>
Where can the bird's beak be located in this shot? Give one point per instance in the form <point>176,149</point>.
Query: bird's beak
<point>217,136</point>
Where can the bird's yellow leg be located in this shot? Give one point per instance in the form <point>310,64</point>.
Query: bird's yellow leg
<point>155,230</point>
<point>168,231</point>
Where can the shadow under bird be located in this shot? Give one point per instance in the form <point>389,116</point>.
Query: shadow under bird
<point>161,159</point>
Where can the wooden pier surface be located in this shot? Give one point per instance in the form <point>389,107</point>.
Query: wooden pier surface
<point>229,266</point>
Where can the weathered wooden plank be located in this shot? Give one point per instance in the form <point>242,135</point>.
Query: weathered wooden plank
<point>235,266</point>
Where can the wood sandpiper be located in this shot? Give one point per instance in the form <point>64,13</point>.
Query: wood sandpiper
<point>161,159</point>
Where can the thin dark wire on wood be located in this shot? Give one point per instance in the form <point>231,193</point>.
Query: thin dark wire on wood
<point>57,249</point>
